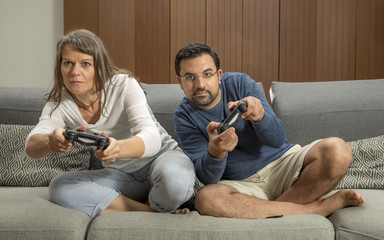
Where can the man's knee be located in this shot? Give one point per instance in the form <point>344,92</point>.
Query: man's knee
<point>338,155</point>
<point>338,149</point>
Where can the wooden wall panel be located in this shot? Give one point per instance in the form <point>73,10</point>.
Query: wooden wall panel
<point>260,51</point>
<point>116,29</point>
<point>317,40</point>
<point>187,26</point>
<point>224,32</point>
<point>81,14</point>
<point>335,48</point>
<point>152,31</point>
<point>274,40</point>
<point>370,39</point>
<point>297,40</point>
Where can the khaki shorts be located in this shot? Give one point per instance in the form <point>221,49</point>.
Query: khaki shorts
<point>275,178</point>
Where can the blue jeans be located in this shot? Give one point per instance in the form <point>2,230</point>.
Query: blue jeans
<point>166,183</point>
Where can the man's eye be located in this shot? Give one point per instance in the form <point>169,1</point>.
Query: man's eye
<point>190,77</point>
<point>207,74</point>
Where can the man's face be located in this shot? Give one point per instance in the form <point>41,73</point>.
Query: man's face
<point>200,81</point>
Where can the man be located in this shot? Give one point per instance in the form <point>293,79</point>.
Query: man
<point>259,173</point>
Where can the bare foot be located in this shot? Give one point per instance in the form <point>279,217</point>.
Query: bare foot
<point>349,198</point>
<point>341,199</point>
<point>182,211</point>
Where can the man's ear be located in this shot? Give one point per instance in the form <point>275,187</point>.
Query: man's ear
<point>219,73</point>
<point>179,81</point>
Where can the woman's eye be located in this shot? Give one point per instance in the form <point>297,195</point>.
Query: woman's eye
<point>86,64</point>
<point>67,63</point>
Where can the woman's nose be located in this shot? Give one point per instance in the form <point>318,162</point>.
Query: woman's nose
<point>75,70</point>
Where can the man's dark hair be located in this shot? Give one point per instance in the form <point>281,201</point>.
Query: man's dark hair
<point>195,50</point>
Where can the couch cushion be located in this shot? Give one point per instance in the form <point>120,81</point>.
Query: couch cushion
<point>21,106</point>
<point>163,100</point>
<point>17,169</point>
<point>26,213</point>
<point>367,167</point>
<point>351,110</point>
<point>366,222</point>
<point>141,225</point>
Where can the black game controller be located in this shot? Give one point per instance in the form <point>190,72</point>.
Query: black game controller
<point>81,137</point>
<point>234,117</point>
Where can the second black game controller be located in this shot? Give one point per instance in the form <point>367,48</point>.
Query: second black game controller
<point>234,117</point>
<point>87,139</point>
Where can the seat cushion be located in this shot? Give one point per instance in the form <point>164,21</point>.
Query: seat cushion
<point>141,225</point>
<point>366,222</point>
<point>26,213</point>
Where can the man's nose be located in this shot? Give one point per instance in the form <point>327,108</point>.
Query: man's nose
<point>200,82</point>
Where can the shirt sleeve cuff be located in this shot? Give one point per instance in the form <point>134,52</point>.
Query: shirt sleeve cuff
<point>264,123</point>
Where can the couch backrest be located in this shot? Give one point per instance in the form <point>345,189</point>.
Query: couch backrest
<point>163,100</point>
<point>21,106</point>
<point>351,110</point>
<point>24,105</point>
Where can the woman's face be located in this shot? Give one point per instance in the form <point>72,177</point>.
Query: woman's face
<point>78,71</point>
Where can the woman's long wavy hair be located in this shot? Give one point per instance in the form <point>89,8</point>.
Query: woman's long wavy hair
<point>88,43</point>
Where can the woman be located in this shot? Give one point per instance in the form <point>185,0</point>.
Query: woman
<point>142,163</point>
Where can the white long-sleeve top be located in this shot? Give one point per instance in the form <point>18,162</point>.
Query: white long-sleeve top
<point>126,114</point>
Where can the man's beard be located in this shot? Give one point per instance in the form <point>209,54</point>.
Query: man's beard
<point>203,101</point>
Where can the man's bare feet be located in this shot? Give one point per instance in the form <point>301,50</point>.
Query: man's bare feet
<point>182,211</point>
<point>341,199</point>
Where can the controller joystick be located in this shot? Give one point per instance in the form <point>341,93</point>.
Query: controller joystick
<point>86,139</point>
<point>234,117</point>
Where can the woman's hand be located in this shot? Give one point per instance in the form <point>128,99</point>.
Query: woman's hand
<point>110,153</point>
<point>57,141</point>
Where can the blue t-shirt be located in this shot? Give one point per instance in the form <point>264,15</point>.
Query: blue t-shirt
<point>259,143</point>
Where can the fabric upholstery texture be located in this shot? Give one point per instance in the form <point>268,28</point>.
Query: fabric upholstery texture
<point>367,168</point>
<point>356,223</point>
<point>26,213</point>
<point>26,110</point>
<point>195,226</point>
<point>351,110</point>
<point>18,169</point>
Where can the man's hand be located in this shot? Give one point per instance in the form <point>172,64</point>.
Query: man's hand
<point>220,144</point>
<point>110,153</point>
<point>255,110</point>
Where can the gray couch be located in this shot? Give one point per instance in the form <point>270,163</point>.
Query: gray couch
<point>352,110</point>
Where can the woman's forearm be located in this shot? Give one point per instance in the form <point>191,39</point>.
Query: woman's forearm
<point>131,148</point>
<point>37,146</point>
